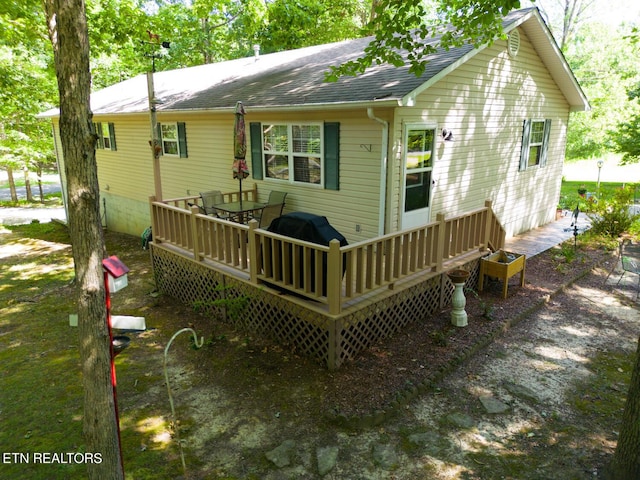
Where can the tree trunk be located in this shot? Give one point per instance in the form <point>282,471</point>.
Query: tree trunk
<point>626,459</point>
<point>27,186</point>
<point>68,33</point>
<point>12,185</point>
<point>39,180</point>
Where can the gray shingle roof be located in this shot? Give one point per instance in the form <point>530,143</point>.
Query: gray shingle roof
<point>287,79</point>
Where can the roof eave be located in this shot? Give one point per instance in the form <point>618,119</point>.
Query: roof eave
<point>383,103</point>
<point>557,65</point>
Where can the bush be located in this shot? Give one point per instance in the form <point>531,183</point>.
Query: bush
<point>612,216</point>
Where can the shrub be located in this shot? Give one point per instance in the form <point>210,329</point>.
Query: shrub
<point>612,216</point>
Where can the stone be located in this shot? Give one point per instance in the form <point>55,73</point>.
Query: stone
<point>461,420</point>
<point>431,443</point>
<point>281,455</point>
<point>327,459</point>
<point>385,456</point>
<point>522,392</point>
<point>493,405</point>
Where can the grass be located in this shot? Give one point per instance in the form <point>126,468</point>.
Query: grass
<point>49,200</point>
<point>569,196</point>
<point>19,181</point>
<point>41,393</point>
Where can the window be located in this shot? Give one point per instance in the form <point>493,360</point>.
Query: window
<point>106,133</point>
<point>296,152</point>
<point>535,143</point>
<point>173,138</point>
<point>293,152</point>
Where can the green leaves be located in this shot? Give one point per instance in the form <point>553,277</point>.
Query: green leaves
<point>406,26</point>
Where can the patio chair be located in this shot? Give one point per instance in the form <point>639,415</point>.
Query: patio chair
<point>209,199</point>
<point>629,259</point>
<point>270,213</point>
<point>275,198</point>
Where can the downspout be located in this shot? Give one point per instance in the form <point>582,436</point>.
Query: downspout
<point>383,170</point>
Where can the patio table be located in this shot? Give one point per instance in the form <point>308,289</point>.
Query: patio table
<point>239,211</point>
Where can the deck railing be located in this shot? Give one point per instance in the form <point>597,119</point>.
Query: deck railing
<point>332,274</point>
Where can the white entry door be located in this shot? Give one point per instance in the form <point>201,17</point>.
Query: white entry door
<point>418,166</point>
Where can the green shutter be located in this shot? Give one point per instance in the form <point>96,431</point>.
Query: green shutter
<point>524,153</point>
<point>182,140</point>
<point>112,136</point>
<point>545,142</point>
<point>332,156</point>
<point>255,130</point>
<point>100,143</point>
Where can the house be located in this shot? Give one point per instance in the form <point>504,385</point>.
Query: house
<point>375,154</point>
<point>421,175</point>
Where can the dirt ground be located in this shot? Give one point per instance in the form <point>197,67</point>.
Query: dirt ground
<point>532,388</point>
<point>413,406</point>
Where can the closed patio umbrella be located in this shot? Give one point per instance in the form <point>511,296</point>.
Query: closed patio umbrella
<point>240,170</point>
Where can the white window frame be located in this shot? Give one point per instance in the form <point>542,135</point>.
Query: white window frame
<point>529,143</point>
<point>538,144</point>
<point>175,141</point>
<point>269,152</point>
<point>105,136</point>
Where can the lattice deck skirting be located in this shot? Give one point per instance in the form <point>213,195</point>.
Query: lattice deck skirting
<point>294,321</point>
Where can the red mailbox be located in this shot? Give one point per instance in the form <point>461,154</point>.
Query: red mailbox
<point>116,273</point>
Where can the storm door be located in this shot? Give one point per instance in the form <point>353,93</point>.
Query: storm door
<point>418,166</point>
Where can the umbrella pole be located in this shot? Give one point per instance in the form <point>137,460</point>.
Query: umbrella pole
<point>240,178</point>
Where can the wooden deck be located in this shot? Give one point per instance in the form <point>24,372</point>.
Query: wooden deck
<point>338,299</point>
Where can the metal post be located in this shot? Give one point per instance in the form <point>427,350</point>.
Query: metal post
<point>113,365</point>
<point>600,164</point>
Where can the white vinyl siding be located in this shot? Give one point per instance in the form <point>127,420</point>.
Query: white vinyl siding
<point>353,210</point>
<point>484,102</point>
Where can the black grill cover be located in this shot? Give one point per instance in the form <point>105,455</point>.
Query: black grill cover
<point>310,228</point>
<point>307,227</point>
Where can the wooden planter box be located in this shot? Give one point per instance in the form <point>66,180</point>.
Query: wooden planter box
<point>502,265</point>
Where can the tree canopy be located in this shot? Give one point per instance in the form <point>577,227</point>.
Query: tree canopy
<point>606,71</point>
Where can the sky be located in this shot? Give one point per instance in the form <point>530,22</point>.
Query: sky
<point>613,12</point>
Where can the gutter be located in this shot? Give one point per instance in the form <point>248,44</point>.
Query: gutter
<point>302,107</point>
<point>383,170</point>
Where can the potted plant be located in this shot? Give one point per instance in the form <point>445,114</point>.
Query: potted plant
<point>582,191</point>
<point>561,207</point>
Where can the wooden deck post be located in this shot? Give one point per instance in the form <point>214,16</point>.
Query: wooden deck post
<point>443,242</point>
<point>195,234</point>
<point>155,230</point>
<point>253,252</point>
<point>334,277</point>
<point>488,222</point>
